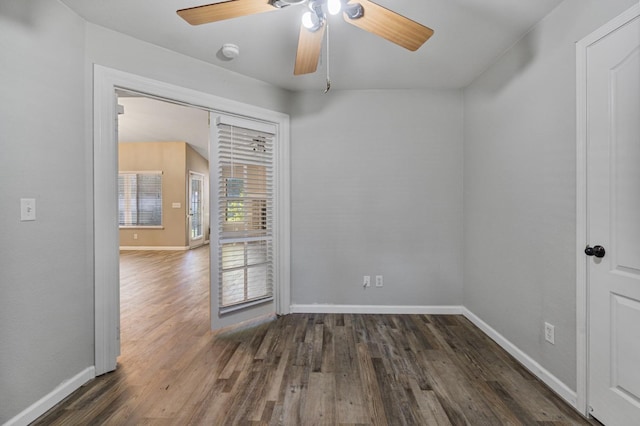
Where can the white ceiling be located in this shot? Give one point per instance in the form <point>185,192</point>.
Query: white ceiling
<point>469,36</point>
<point>150,120</point>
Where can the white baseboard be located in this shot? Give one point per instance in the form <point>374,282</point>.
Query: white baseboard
<point>45,403</point>
<point>170,248</point>
<point>529,363</point>
<point>375,309</point>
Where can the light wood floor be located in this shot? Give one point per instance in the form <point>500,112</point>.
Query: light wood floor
<point>298,369</point>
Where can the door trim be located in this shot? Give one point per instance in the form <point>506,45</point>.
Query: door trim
<point>202,239</point>
<point>105,230</point>
<point>582,237</point>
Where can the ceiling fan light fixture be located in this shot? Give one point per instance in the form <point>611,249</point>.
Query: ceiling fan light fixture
<point>364,14</point>
<point>354,10</point>
<point>311,21</point>
<point>278,4</point>
<point>334,6</point>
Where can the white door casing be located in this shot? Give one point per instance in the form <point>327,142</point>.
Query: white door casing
<point>105,208</point>
<point>609,110</point>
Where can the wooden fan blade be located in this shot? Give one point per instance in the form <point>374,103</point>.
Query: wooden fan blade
<point>309,47</point>
<point>391,26</point>
<point>226,10</point>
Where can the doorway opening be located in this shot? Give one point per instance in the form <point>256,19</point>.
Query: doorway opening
<point>105,230</point>
<point>163,152</point>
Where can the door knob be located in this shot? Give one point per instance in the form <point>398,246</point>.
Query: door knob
<point>597,251</point>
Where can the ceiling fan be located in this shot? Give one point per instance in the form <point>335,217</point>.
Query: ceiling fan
<point>364,14</point>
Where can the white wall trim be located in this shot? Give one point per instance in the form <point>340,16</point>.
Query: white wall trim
<point>158,248</point>
<point>48,401</point>
<point>581,228</point>
<point>105,221</point>
<point>582,237</point>
<point>375,309</point>
<point>282,218</point>
<point>529,363</point>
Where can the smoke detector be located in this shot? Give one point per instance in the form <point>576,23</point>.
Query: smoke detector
<point>230,51</point>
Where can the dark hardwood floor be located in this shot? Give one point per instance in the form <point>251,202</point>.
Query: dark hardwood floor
<point>301,369</point>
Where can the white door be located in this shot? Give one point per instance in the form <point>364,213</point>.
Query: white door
<point>243,256</point>
<point>196,209</point>
<point>613,225</point>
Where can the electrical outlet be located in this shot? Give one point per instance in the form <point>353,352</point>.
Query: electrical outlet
<point>135,236</point>
<point>379,281</point>
<point>366,281</point>
<point>549,333</point>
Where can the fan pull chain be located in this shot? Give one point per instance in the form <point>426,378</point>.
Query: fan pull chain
<point>328,77</point>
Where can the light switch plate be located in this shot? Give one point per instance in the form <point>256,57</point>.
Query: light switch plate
<point>176,205</point>
<point>27,209</point>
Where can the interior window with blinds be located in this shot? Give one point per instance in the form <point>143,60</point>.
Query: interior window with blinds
<point>245,167</point>
<point>140,199</point>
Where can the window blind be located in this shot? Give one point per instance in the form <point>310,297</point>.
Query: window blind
<point>245,216</point>
<point>140,199</point>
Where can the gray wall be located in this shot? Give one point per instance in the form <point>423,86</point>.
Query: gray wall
<point>125,53</point>
<point>377,189</point>
<point>46,292</point>
<point>519,186</point>
<point>46,266</point>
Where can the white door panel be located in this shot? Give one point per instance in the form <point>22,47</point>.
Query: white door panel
<point>613,209</point>
<point>625,162</point>
<point>243,261</point>
<point>625,346</point>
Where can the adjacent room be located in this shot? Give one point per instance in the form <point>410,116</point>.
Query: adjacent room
<point>400,213</point>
